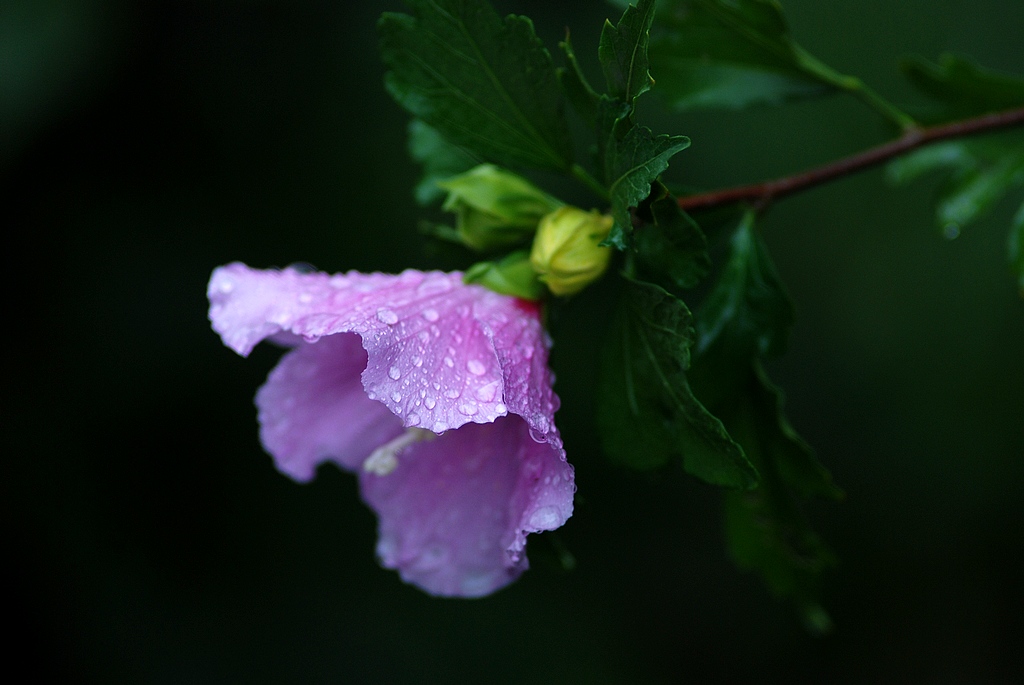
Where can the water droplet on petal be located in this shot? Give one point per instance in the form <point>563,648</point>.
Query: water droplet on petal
<point>467,409</point>
<point>476,367</point>
<point>424,337</point>
<point>417,361</point>
<point>429,403</point>
<point>545,518</point>
<point>395,373</point>
<point>487,392</point>
<point>387,316</point>
<point>500,408</point>
<point>449,362</point>
<point>451,393</point>
<point>396,396</point>
<point>431,315</point>
<point>412,420</point>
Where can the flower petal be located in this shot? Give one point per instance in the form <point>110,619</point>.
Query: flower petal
<point>440,353</point>
<point>313,409</point>
<point>455,513</point>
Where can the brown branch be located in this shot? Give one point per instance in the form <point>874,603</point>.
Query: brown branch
<point>765,192</point>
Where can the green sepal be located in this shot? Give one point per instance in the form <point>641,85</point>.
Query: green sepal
<point>486,84</point>
<point>647,413</point>
<point>731,54</point>
<point>495,208</point>
<point>440,160</point>
<point>623,52</point>
<point>963,88</point>
<point>511,275</point>
<point>671,249</point>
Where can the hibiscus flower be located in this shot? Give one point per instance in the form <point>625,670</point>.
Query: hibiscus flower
<point>436,393</point>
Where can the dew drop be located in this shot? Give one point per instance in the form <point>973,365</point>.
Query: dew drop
<point>476,367</point>
<point>424,337</point>
<point>487,392</point>
<point>387,316</point>
<point>429,403</point>
<point>449,362</point>
<point>431,315</point>
<point>395,373</point>
<point>412,420</point>
<point>544,518</point>
<point>467,409</point>
<point>451,393</point>
<point>396,396</point>
<point>417,361</point>
<point>500,408</point>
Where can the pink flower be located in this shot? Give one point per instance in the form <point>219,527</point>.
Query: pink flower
<point>436,393</point>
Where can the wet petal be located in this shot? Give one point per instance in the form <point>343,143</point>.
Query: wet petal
<point>313,409</point>
<point>440,353</point>
<point>455,513</point>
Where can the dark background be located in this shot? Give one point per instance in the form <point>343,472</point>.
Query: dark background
<point>144,143</point>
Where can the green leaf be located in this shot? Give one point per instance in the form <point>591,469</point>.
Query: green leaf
<point>978,173</point>
<point>731,54</point>
<point>744,319</point>
<point>623,52</point>
<point>670,247</point>
<point>765,528</point>
<point>647,412</point>
<point>440,160</point>
<point>484,83</point>
<point>578,91</point>
<point>748,307</point>
<point>962,87</point>
<point>632,163</point>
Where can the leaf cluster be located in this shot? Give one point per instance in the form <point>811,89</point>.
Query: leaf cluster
<point>977,173</point>
<point>679,386</point>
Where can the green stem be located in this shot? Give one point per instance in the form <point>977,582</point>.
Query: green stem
<point>584,177</point>
<point>854,86</point>
<point>888,110</point>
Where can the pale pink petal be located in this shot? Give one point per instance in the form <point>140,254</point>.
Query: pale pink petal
<point>455,513</point>
<point>440,353</point>
<point>375,352</point>
<point>313,408</point>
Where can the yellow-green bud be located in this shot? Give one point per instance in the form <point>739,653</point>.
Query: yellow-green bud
<point>566,250</point>
<point>495,208</point>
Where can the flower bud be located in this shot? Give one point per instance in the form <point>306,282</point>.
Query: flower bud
<point>495,208</point>
<point>566,250</point>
